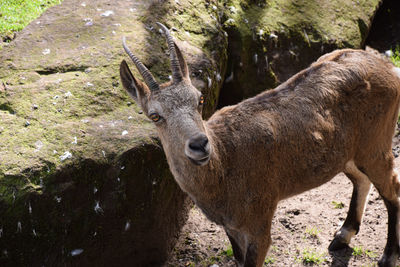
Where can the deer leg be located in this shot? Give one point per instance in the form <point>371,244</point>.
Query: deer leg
<point>237,250</point>
<point>257,245</point>
<point>351,226</point>
<point>387,183</point>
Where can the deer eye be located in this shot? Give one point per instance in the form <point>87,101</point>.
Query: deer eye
<point>201,101</point>
<point>155,117</point>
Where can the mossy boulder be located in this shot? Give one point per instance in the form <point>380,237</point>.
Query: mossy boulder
<point>83,178</point>
<point>269,41</point>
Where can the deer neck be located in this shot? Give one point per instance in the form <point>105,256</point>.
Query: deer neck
<point>189,176</point>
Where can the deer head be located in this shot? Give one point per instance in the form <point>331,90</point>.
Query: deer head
<point>175,107</point>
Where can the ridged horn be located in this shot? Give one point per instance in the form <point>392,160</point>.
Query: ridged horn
<point>175,66</point>
<point>147,76</point>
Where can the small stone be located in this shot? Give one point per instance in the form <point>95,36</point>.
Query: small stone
<point>27,123</point>
<point>129,104</point>
<point>125,132</point>
<point>46,51</point>
<point>34,106</point>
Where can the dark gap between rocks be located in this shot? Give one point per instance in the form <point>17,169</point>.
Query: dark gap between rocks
<point>385,30</point>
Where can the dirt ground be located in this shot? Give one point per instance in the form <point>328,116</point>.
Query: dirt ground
<point>302,229</point>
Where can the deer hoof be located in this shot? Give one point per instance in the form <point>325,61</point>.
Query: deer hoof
<point>337,244</point>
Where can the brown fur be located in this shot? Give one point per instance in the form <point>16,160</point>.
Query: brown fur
<point>282,142</point>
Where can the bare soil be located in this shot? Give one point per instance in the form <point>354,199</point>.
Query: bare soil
<point>302,229</point>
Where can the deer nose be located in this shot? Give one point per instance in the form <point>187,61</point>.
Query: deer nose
<point>199,143</point>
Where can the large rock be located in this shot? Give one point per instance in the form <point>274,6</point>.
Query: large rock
<point>269,41</point>
<point>83,179</point>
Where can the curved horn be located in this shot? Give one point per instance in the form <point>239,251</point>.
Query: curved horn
<point>148,78</point>
<point>175,66</point>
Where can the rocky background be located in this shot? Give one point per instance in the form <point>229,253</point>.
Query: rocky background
<point>83,178</point>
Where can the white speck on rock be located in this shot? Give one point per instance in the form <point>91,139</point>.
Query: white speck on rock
<point>19,227</point>
<point>273,36</point>
<point>125,132</point>
<point>255,58</point>
<point>38,145</point>
<point>104,153</point>
<point>75,141</point>
<point>76,252</point>
<point>83,4</point>
<point>209,82</point>
<point>132,9</point>
<point>122,167</point>
<point>1,232</point>
<point>68,94</point>
<point>218,77</point>
<point>30,208</point>
<point>107,13</point>
<point>97,208</point>
<point>230,21</point>
<point>127,225</point>
<point>46,51</point>
<point>58,199</point>
<point>95,190</point>
<point>34,232</point>
<point>89,84</point>
<point>66,155</point>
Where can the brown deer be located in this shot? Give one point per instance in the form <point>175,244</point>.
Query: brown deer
<point>338,115</point>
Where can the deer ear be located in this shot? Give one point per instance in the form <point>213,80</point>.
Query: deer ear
<point>182,62</point>
<point>134,87</point>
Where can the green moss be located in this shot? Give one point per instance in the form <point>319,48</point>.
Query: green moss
<point>395,57</point>
<point>16,14</point>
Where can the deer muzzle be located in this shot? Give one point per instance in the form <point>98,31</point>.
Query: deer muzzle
<point>198,149</point>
